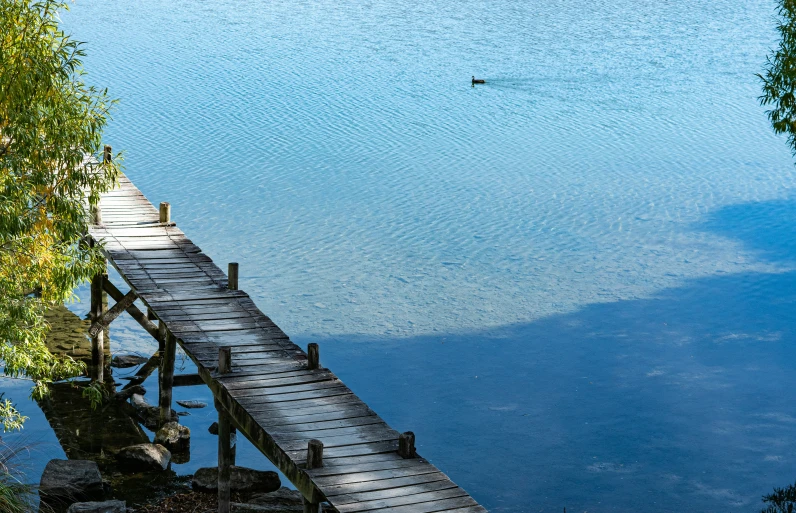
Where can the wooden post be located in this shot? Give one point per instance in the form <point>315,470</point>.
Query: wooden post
<point>97,341</point>
<point>224,360</point>
<point>165,212</point>
<point>314,460</point>
<point>96,215</point>
<point>166,376</point>
<point>224,458</point>
<point>164,333</point>
<point>107,154</point>
<point>232,276</point>
<point>406,445</point>
<point>150,315</point>
<point>313,356</point>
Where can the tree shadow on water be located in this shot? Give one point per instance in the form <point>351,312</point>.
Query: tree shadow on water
<point>678,402</point>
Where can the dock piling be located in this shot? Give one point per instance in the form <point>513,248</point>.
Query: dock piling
<point>232,276</point>
<point>97,341</point>
<point>224,458</point>
<point>406,445</point>
<point>165,212</point>
<point>224,360</point>
<point>314,460</point>
<point>166,377</point>
<point>313,356</point>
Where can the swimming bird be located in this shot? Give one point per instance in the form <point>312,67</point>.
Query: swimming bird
<point>478,80</point>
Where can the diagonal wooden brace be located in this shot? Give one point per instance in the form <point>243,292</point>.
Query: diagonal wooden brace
<point>133,310</point>
<point>107,318</point>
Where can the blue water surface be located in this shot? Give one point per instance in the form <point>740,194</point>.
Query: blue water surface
<point>575,283</point>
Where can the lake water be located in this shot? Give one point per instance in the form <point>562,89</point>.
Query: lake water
<point>575,283</point>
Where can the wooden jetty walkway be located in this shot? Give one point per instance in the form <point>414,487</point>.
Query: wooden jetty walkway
<point>314,429</point>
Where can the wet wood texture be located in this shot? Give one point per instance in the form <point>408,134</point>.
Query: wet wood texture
<point>277,401</point>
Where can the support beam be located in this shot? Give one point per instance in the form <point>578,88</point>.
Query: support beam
<point>116,310</point>
<point>224,360</point>
<point>135,313</point>
<point>97,338</point>
<point>166,377</point>
<point>232,276</point>
<point>224,458</point>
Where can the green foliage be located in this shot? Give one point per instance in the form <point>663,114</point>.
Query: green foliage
<point>96,393</point>
<point>782,500</point>
<point>10,418</point>
<point>15,497</point>
<point>49,121</point>
<point>779,79</point>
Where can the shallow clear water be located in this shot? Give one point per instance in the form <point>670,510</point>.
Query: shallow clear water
<point>575,283</point>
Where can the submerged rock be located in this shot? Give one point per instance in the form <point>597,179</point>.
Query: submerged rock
<point>174,437</point>
<point>192,404</point>
<point>213,429</point>
<point>282,500</point>
<point>68,481</point>
<point>127,360</point>
<point>149,415</point>
<point>144,457</point>
<point>98,507</point>
<point>242,479</point>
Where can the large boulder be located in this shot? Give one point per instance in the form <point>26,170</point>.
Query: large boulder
<point>174,437</point>
<point>67,481</point>
<point>142,457</point>
<point>242,479</point>
<point>98,507</point>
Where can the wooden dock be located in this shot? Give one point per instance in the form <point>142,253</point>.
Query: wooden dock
<point>302,417</point>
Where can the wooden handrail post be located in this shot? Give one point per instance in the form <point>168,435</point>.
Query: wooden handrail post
<point>232,276</point>
<point>224,458</point>
<point>313,356</point>
<point>314,460</point>
<point>107,153</point>
<point>166,377</point>
<point>165,212</point>
<point>406,445</point>
<point>224,360</point>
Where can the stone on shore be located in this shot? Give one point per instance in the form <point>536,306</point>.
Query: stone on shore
<point>123,361</point>
<point>242,479</point>
<point>98,507</point>
<point>68,481</point>
<point>144,457</point>
<point>174,437</point>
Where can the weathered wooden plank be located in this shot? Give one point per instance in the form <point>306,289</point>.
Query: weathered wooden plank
<point>312,405</point>
<point>396,462</point>
<point>273,391</point>
<point>368,433</point>
<point>304,377</point>
<point>402,491</point>
<point>305,425</point>
<point>349,450</point>
<point>375,475</point>
<point>312,394</point>
<point>331,491</point>
<point>417,498</point>
<point>434,506</point>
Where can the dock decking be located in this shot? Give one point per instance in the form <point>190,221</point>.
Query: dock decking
<point>264,384</point>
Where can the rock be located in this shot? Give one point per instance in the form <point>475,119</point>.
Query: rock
<point>237,507</point>
<point>68,481</point>
<point>192,404</point>
<point>213,429</point>
<point>127,360</point>
<point>174,437</point>
<point>144,457</point>
<point>283,499</point>
<point>242,479</point>
<point>149,415</point>
<point>98,507</point>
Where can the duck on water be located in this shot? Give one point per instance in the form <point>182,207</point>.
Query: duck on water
<point>478,80</point>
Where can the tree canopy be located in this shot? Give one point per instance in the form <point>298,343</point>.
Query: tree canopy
<point>50,121</point>
<point>779,78</point>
